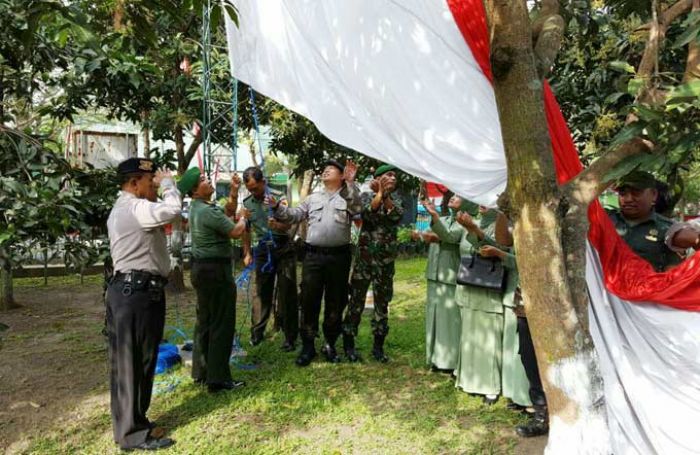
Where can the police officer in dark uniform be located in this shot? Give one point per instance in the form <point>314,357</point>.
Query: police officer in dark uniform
<point>136,298</point>
<point>275,262</point>
<point>212,278</point>
<point>637,222</point>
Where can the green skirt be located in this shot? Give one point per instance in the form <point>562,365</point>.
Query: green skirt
<point>479,366</point>
<point>442,326</point>
<point>515,384</point>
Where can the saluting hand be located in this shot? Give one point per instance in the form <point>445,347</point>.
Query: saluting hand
<point>430,207</point>
<point>350,171</point>
<point>235,183</point>
<point>160,175</point>
<point>465,220</point>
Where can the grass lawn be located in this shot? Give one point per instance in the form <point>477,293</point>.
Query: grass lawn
<point>365,408</point>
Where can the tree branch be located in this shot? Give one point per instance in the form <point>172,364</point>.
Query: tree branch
<point>692,65</point>
<point>196,142</point>
<point>591,182</point>
<point>548,33</point>
<point>674,11</point>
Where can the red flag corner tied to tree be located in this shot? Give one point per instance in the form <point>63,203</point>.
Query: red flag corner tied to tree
<point>626,274</point>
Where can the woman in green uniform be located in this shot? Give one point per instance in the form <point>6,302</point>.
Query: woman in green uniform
<point>442,317</point>
<point>514,382</point>
<point>480,358</point>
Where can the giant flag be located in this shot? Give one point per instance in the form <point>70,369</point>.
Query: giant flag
<point>408,82</point>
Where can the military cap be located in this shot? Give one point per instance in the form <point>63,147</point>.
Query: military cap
<point>638,180</point>
<point>189,180</point>
<point>384,168</point>
<point>136,165</point>
<point>334,163</point>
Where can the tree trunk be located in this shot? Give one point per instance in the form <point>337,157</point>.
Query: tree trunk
<point>7,297</point>
<point>146,133</point>
<point>182,163</point>
<point>176,278</point>
<point>551,262</point>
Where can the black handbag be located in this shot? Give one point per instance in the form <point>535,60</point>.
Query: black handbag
<point>475,270</point>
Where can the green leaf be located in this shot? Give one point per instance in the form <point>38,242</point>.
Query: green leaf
<point>628,132</point>
<point>613,98</point>
<point>634,85</point>
<point>621,66</point>
<point>649,115</point>
<point>628,165</point>
<point>686,91</point>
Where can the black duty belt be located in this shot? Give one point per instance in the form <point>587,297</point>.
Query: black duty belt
<point>139,280</point>
<point>327,249</point>
<point>211,260</point>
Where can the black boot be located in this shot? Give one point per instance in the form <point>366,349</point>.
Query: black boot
<point>349,348</point>
<point>378,349</point>
<point>330,353</point>
<point>308,352</point>
<point>537,426</point>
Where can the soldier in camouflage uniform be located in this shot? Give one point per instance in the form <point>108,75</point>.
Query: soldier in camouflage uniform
<point>276,270</point>
<point>374,262</point>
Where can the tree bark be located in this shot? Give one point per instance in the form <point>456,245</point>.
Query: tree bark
<point>7,297</point>
<point>692,66</point>
<point>544,222</point>
<point>176,278</point>
<point>146,133</point>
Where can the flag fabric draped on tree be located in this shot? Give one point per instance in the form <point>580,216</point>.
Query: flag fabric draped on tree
<point>409,83</point>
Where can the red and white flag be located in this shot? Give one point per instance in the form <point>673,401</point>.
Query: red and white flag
<point>409,83</point>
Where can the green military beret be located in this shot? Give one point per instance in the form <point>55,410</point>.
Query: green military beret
<point>189,180</point>
<point>384,168</point>
<point>638,180</point>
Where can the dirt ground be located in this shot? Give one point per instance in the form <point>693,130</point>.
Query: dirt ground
<point>53,366</point>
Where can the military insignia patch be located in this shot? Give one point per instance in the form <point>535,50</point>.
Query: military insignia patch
<point>146,165</point>
<point>653,235</point>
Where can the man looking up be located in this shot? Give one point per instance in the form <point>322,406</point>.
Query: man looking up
<point>374,262</point>
<point>327,261</point>
<point>135,297</point>
<point>212,278</point>
<point>275,260</point>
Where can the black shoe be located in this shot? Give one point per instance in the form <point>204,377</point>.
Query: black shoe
<point>152,444</point>
<point>537,426</point>
<point>287,346</point>
<point>307,354</point>
<point>227,385</point>
<point>349,348</point>
<point>490,400</point>
<point>330,353</point>
<point>378,349</point>
<point>435,369</point>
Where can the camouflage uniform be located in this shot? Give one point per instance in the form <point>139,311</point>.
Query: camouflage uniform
<point>374,264</point>
<point>281,273</point>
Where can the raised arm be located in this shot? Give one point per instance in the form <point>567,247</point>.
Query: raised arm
<point>153,214</point>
